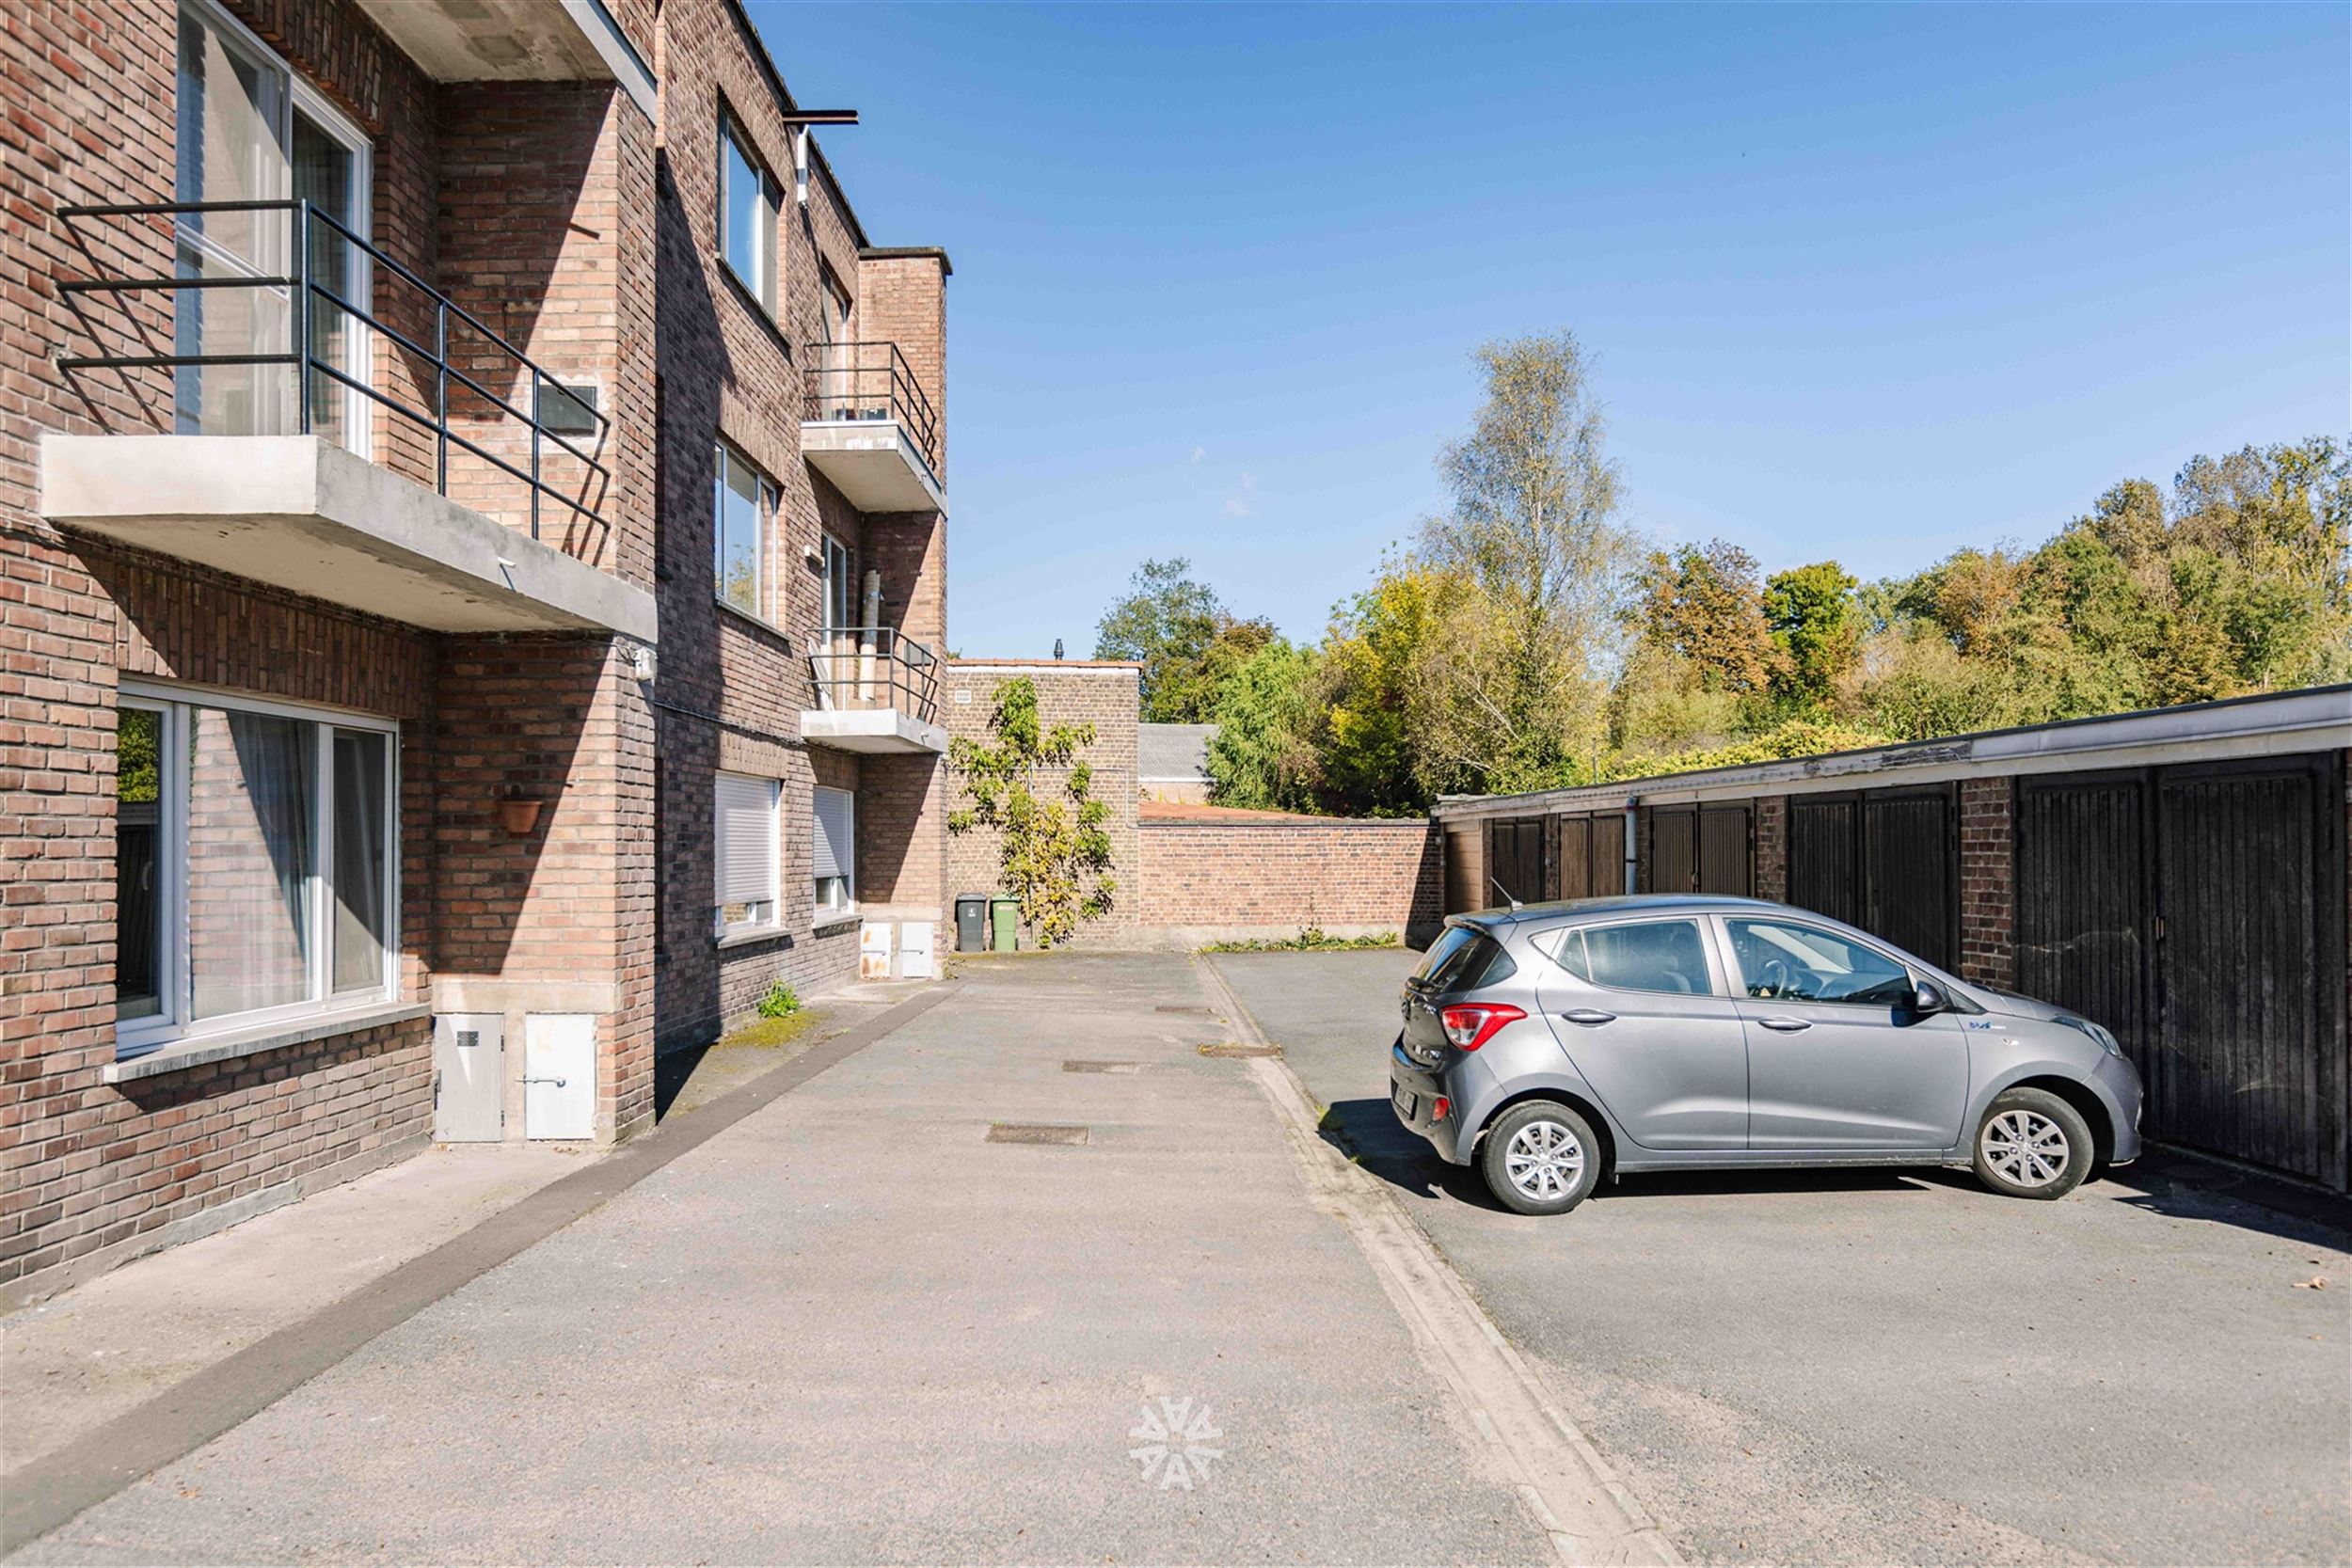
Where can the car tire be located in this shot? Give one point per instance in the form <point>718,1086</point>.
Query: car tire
<point>1540,1158</point>
<point>2032,1144</point>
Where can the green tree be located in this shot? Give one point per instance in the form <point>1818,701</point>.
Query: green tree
<point>1817,630</point>
<point>1188,644</point>
<point>1032,786</point>
<point>1702,604</point>
<point>1260,756</point>
<point>1361,724</point>
<point>1509,691</point>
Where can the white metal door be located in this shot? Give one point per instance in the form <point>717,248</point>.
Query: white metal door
<point>560,1076</point>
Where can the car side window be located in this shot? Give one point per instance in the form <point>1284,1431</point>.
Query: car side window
<point>1648,955</point>
<point>1782,961</point>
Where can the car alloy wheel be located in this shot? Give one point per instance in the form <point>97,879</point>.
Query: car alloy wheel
<point>1545,1160</point>
<point>2025,1148</point>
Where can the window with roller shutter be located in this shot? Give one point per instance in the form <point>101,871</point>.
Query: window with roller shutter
<point>835,853</point>
<point>743,822</point>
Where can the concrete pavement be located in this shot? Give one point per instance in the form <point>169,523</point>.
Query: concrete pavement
<point>851,1328</point>
<point>1883,1367</point>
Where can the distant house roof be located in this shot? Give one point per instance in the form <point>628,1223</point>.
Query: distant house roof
<point>1173,753</point>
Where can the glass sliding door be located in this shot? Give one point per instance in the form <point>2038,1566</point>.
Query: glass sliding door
<point>249,131</point>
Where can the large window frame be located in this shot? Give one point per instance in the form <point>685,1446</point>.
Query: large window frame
<point>763,904</point>
<point>728,465</point>
<point>203,254</point>
<point>174,1020</point>
<point>835,895</point>
<point>763,205</point>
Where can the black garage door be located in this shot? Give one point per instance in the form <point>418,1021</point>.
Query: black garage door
<point>1884,860</point>
<point>2198,913</point>
<point>1699,849</point>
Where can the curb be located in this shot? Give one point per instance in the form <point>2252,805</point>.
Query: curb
<point>1559,1478</point>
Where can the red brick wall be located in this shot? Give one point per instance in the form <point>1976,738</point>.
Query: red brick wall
<point>1988,879</point>
<point>903,300</point>
<point>1279,877</point>
<point>1771,848</point>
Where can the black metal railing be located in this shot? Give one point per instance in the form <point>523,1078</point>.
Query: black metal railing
<point>304,294</point>
<point>872,380</point>
<point>866,668</point>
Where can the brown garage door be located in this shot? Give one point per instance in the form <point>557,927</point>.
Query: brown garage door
<point>1515,863</point>
<point>1591,855</point>
<point>1884,860</point>
<point>1699,849</point>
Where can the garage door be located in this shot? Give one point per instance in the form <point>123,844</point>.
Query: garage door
<point>1591,855</point>
<point>1884,860</point>
<point>1465,868</point>
<point>1515,863</point>
<point>2198,913</point>
<point>1700,849</point>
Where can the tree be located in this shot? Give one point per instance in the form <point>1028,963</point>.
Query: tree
<point>1361,728</point>
<point>1189,642</point>
<point>1702,604</point>
<point>1260,756</point>
<point>1816,629</point>
<point>1509,691</point>
<point>1053,847</point>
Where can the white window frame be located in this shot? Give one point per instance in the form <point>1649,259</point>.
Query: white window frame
<point>849,865</point>
<point>720,924</point>
<point>301,97</point>
<point>769,286</point>
<point>173,1021</point>
<point>764,509</point>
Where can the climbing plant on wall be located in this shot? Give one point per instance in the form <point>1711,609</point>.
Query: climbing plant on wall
<point>1034,790</point>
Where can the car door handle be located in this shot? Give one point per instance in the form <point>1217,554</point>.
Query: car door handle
<point>1589,1016</point>
<point>1784,1025</point>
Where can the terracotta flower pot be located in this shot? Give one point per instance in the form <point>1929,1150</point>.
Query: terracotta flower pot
<point>518,816</point>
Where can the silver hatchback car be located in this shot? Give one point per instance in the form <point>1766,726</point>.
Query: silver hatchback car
<point>1550,1044</point>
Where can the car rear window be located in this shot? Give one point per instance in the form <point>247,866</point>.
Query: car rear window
<point>1647,954</point>
<point>1464,959</point>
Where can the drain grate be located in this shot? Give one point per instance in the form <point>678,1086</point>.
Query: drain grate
<point>1234,1048</point>
<point>1102,1067</point>
<point>1034,1132</point>
<point>1179,1007</point>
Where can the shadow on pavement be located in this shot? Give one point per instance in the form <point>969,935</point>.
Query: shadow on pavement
<point>2164,1181</point>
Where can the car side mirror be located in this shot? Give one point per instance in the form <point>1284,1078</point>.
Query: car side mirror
<point>1928,997</point>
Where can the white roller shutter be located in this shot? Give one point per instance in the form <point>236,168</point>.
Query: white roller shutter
<point>836,849</point>
<point>745,829</point>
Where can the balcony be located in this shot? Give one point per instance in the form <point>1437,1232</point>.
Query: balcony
<point>274,380</point>
<point>515,41</point>
<point>869,427</point>
<point>876,691</point>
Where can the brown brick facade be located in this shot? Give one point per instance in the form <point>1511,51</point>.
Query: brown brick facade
<point>1988,874</point>
<point>1771,848</point>
<point>1276,878</point>
<point>571,224</point>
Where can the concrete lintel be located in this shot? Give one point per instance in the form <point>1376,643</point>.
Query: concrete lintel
<point>870,730</point>
<point>490,993</point>
<point>300,512</point>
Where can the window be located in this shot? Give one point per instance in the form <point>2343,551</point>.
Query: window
<point>250,130</point>
<point>1649,955</point>
<point>748,205</point>
<point>840,585</point>
<point>744,503</point>
<point>744,854</point>
<point>1785,962</point>
<point>835,851</point>
<point>254,863</point>
<point>1464,959</point>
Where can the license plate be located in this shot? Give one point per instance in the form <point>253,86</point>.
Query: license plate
<point>1402,1101</point>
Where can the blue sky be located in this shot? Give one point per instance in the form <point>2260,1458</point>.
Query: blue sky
<point>1863,284</point>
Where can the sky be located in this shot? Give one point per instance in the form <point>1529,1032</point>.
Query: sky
<point>1862,284</point>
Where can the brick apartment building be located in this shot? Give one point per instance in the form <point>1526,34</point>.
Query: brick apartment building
<point>472,539</point>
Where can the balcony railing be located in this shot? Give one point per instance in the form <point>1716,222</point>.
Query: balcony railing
<point>315,310</point>
<point>872,380</point>
<point>875,668</point>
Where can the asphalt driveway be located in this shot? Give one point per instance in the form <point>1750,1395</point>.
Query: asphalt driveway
<point>1895,1366</point>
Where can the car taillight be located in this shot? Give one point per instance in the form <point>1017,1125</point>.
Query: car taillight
<point>1472,1025</point>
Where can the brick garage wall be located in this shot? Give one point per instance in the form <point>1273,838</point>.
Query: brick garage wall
<point>1771,848</point>
<point>1072,691</point>
<point>1274,878</point>
<point>1988,881</point>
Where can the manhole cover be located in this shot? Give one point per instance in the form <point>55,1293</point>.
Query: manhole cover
<point>1102,1067</point>
<point>1234,1048</point>
<point>1034,1132</point>
<point>1173,1008</point>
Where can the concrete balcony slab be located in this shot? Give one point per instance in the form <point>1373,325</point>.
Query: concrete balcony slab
<point>871,730</point>
<point>874,464</point>
<point>302,514</point>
